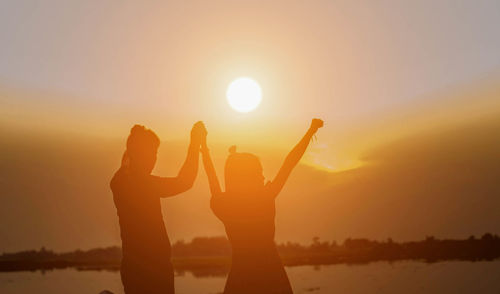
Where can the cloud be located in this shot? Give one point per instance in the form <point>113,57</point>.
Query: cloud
<point>441,183</point>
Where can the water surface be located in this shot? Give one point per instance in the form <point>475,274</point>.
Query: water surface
<point>380,277</point>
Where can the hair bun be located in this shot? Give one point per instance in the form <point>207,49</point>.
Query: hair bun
<point>137,129</point>
<point>232,149</point>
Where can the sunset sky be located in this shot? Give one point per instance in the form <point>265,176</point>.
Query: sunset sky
<point>422,77</point>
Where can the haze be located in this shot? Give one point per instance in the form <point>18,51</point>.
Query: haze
<point>409,92</point>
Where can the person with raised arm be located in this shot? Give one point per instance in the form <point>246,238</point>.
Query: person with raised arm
<point>247,210</point>
<point>146,266</point>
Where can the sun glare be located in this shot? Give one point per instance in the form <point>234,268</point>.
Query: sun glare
<point>244,94</point>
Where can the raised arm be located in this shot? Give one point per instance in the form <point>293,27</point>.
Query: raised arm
<point>213,181</point>
<point>187,174</point>
<point>293,158</point>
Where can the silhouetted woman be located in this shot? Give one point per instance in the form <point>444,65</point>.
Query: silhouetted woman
<point>247,210</point>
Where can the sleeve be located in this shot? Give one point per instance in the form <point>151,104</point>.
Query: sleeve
<point>165,186</point>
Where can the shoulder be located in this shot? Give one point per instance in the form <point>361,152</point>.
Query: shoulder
<point>219,199</point>
<point>119,178</point>
<point>269,191</point>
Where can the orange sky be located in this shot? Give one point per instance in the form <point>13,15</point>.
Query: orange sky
<point>81,74</point>
<point>431,181</point>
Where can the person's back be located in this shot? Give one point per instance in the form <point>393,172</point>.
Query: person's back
<point>146,265</point>
<point>143,232</point>
<point>249,222</point>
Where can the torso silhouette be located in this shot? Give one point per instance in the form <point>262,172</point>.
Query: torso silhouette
<point>249,222</point>
<point>146,265</point>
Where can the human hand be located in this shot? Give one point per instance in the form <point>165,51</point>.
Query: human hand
<point>199,132</point>
<point>316,123</point>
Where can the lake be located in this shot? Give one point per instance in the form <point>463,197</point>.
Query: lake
<point>379,277</point>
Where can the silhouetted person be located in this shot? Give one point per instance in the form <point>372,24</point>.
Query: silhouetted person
<point>146,266</point>
<point>247,210</point>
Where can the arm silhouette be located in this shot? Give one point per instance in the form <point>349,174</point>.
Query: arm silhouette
<point>187,174</point>
<point>213,181</point>
<point>293,158</point>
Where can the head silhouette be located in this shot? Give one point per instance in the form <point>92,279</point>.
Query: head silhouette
<point>142,146</point>
<point>243,172</point>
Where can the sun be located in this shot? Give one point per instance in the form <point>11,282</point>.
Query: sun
<point>244,94</point>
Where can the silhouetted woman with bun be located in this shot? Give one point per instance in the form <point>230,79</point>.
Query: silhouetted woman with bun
<point>247,210</point>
